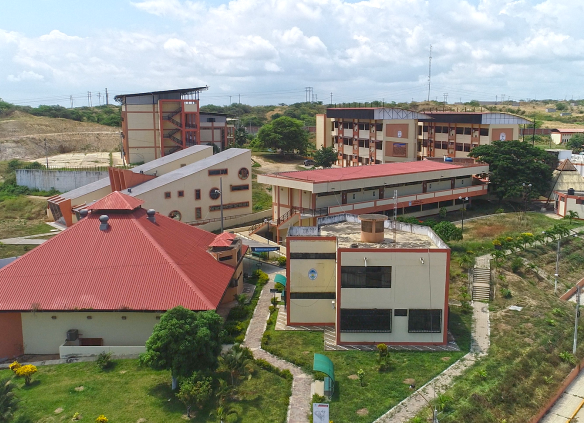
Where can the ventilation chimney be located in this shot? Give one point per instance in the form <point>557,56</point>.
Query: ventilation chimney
<point>129,190</point>
<point>372,227</point>
<point>151,215</point>
<point>103,219</point>
<point>83,213</point>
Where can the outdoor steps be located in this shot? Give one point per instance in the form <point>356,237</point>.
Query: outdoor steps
<point>481,286</point>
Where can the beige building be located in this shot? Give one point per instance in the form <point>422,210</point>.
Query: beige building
<point>562,136</point>
<point>158,123</point>
<point>374,285</point>
<point>382,135</point>
<point>422,188</point>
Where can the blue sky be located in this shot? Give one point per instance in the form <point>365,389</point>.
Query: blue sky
<point>270,50</point>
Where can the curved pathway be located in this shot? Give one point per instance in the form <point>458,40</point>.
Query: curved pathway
<point>300,401</point>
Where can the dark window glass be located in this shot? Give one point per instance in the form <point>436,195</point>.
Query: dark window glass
<point>459,131</point>
<point>400,312</point>
<point>425,128</point>
<point>213,172</point>
<point>484,132</point>
<point>458,147</point>
<point>167,194</point>
<point>198,213</point>
<point>366,277</point>
<point>312,295</point>
<point>467,131</point>
<point>467,147</point>
<point>239,187</point>
<point>438,129</point>
<point>181,193</point>
<point>214,193</point>
<point>357,320</point>
<point>308,256</point>
<point>225,258</point>
<point>425,320</point>
<point>379,127</point>
<point>197,194</point>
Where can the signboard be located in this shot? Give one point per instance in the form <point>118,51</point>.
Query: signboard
<point>312,274</point>
<point>320,413</point>
<point>264,249</point>
<point>273,291</point>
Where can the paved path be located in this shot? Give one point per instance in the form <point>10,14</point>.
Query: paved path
<point>568,403</point>
<point>412,405</point>
<point>299,405</point>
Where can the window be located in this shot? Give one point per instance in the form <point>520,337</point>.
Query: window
<point>197,194</point>
<point>366,277</point>
<point>458,147</point>
<point>425,128</point>
<point>243,173</point>
<point>467,131</point>
<point>225,258</point>
<point>379,127</point>
<point>214,172</point>
<point>312,295</point>
<point>358,320</point>
<point>425,321</point>
<point>484,132</point>
<point>198,213</point>
<point>438,129</point>
<point>467,147</point>
<point>240,187</point>
<point>210,119</point>
<point>182,165</point>
<point>167,194</point>
<point>230,206</point>
<point>181,193</point>
<point>400,312</point>
<point>175,214</point>
<point>459,131</point>
<point>214,193</point>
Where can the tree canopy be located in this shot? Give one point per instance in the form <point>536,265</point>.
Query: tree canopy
<point>513,164</point>
<point>284,133</point>
<point>184,342</point>
<point>325,157</point>
<point>576,143</point>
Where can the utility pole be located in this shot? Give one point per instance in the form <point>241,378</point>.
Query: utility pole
<point>576,319</point>
<point>46,154</point>
<point>331,98</point>
<point>71,100</point>
<point>394,216</point>
<point>445,98</point>
<point>99,98</point>
<point>89,98</point>
<point>106,98</point>
<point>239,98</point>
<point>429,71</point>
<point>230,100</point>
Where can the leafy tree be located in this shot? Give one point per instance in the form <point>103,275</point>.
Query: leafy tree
<point>184,342</point>
<point>576,143</point>
<point>448,231</point>
<point>195,391</point>
<point>284,133</point>
<point>325,157</point>
<point>222,413</point>
<point>561,106</point>
<point>241,136</point>
<point>8,401</point>
<point>512,164</point>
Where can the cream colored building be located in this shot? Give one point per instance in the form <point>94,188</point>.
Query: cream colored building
<point>382,135</point>
<point>562,136</point>
<point>423,187</point>
<point>349,272</point>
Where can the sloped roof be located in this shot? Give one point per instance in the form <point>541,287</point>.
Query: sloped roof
<point>223,240</point>
<point>134,265</point>
<point>116,201</point>
<point>566,165</point>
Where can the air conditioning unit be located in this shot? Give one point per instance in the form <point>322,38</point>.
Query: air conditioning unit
<point>72,335</point>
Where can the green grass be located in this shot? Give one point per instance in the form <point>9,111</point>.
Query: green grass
<point>22,216</point>
<point>8,250</point>
<point>382,390</point>
<point>128,392</point>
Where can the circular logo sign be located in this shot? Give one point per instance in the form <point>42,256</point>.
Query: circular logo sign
<point>312,274</point>
<point>399,134</point>
<point>502,137</point>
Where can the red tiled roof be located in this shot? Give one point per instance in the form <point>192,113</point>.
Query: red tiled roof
<point>116,201</point>
<point>368,171</point>
<point>223,240</point>
<point>569,130</point>
<point>135,264</point>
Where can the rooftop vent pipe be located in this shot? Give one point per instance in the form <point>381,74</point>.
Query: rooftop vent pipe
<point>150,213</point>
<point>103,219</point>
<point>83,213</point>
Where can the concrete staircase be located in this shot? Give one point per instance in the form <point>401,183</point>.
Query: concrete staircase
<point>481,284</point>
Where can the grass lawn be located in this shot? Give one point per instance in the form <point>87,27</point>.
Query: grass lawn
<point>128,392</point>
<point>260,197</point>
<point>382,390</point>
<point>8,250</point>
<point>22,216</point>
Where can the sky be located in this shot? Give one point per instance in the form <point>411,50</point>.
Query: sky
<point>268,51</point>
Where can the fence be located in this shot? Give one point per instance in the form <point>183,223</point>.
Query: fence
<point>60,180</point>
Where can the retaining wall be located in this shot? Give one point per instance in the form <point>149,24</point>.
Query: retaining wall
<point>61,180</point>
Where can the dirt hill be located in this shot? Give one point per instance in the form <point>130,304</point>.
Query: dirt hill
<point>22,136</point>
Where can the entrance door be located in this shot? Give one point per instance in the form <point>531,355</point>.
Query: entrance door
<point>344,198</point>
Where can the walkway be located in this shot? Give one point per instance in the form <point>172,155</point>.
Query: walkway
<point>299,406</point>
<point>568,404</point>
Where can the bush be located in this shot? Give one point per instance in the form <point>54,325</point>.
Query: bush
<point>516,264</point>
<point>101,419</point>
<point>195,391</point>
<point>104,360</point>
<point>26,372</point>
<point>279,287</point>
<point>281,261</point>
<point>264,364</point>
<point>442,213</point>
<point>506,293</point>
<point>273,309</point>
<point>447,231</point>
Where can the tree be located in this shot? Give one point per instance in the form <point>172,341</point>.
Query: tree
<point>8,401</point>
<point>512,164</point>
<point>325,157</point>
<point>576,143</point>
<point>195,391</point>
<point>284,134</point>
<point>561,106</point>
<point>222,413</point>
<point>237,361</point>
<point>184,342</point>
<point>448,231</point>
<point>571,214</point>
<point>241,137</point>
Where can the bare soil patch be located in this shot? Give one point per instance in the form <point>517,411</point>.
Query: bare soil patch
<point>353,377</point>
<point>362,412</point>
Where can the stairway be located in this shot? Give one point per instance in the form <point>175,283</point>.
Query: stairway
<point>481,284</point>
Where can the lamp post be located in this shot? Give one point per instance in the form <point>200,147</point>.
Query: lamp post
<point>526,192</point>
<point>462,211</point>
<point>220,192</point>
<point>268,236</point>
<point>576,319</point>
<point>557,274</point>
<point>434,410</point>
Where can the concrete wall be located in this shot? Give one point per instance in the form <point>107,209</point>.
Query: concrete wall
<point>61,180</point>
<point>44,335</point>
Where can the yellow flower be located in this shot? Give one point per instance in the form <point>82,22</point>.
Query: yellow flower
<point>14,366</point>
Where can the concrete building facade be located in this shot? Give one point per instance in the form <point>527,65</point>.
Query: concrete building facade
<point>562,136</point>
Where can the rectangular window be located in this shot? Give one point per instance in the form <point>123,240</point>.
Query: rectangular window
<point>459,131</point>
<point>425,128</point>
<point>312,296</point>
<point>197,194</point>
<point>358,320</point>
<point>467,131</point>
<point>379,127</point>
<point>458,147</point>
<point>225,258</point>
<point>438,129</point>
<point>366,277</point>
<point>181,193</point>
<point>214,172</point>
<point>467,147</point>
<point>198,213</point>
<point>210,119</point>
<point>240,187</point>
<point>425,321</point>
<point>484,132</point>
<point>167,194</point>
<point>313,256</point>
<point>230,206</point>
<point>400,312</point>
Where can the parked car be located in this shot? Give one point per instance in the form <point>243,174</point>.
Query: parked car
<point>309,162</point>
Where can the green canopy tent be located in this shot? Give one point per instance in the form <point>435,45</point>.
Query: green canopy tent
<point>280,279</point>
<point>324,364</point>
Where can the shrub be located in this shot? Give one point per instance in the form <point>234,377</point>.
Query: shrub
<point>361,376</point>
<point>26,372</point>
<point>273,309</point>
<point>266,339</point>
<point>318,399</point>
<point>14,366</point>
<point>499,211</point>
<point>195,391</point>
<point>506,293</point>
<point>447,231</point>
<point>101,419</point>
<point>274,301</point>
<point>442,213</point>
<point>104,360</point>
<point>279,287</point>
<point>567,357</point>
<point>281,261</point>
<point>516,264</point>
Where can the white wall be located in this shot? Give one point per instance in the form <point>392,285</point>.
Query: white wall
<point>61,180</point>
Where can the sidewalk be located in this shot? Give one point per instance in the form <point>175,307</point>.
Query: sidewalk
<point>568,403</point>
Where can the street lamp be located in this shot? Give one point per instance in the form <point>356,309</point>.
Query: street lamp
<point>462,211</point>
<point>434,411</point>
<point>267,235</point>
<point>556,275</point>
<point>526,191</point>
<point>220,192</point>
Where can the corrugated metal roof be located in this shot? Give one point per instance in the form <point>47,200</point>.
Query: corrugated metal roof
<point>135,264</point>
<point>223,240</point>
<point>116,201</point>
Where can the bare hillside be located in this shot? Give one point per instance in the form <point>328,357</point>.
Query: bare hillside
<point>22,136</point>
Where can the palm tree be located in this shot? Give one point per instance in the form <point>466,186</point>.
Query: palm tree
<point>571,214</point>
<point>237,361</point>
<point>222,413</point>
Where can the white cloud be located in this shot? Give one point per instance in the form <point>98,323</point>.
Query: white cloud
<point>25,76</point>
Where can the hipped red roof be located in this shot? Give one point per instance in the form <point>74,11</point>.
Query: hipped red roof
<point>116,201</point>
<point>135,264</point>
<point>223,240</point>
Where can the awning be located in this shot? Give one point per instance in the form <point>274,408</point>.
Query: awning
<point>323,364</point>
<point>258,246</point>
<point>280,279</point>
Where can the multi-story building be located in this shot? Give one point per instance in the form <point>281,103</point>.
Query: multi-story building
<point>422,187</point>
<point>373,284</point>
<point>158,123</point>
<point>382,135</point>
